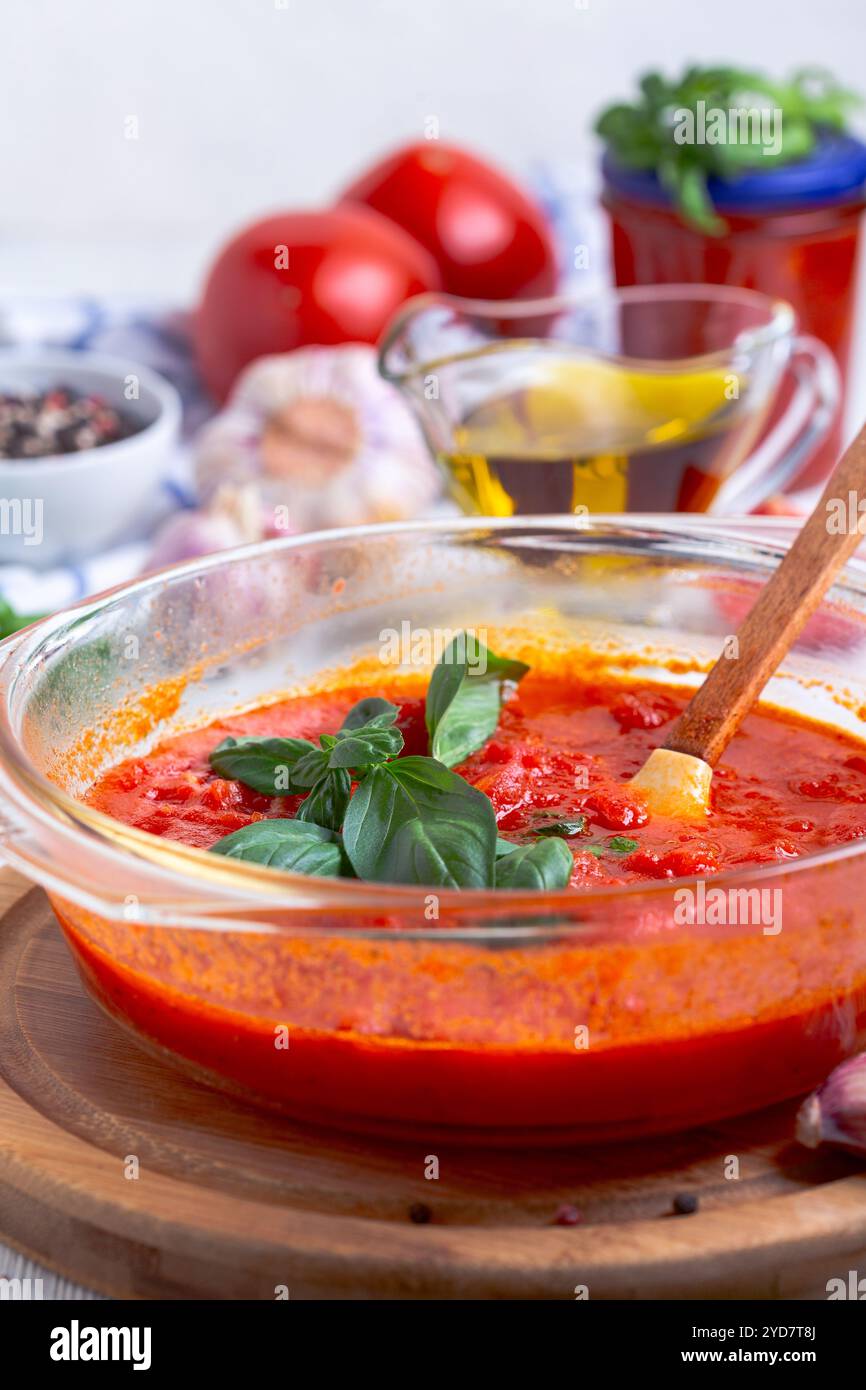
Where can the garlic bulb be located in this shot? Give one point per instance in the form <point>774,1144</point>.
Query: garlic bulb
<point>836,1112</point>
<point>326,440</point>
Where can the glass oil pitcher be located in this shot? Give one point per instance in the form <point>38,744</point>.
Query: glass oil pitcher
<point>645,399</point>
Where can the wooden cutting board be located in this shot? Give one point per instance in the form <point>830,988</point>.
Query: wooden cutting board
<point>231,1202</point>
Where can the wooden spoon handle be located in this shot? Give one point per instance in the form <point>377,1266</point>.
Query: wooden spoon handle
<point>785,604</point>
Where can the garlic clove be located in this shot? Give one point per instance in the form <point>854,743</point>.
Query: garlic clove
<point>242,508</point>
<point>836,1112</point>
<point>188,534</point>
<point>236,516</point>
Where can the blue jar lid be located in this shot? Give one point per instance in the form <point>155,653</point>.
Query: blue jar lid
<point>835,172</point>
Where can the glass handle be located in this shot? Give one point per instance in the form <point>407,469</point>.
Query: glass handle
<point>784,451</point>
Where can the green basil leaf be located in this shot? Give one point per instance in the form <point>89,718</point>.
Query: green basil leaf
<point>597,850</point>
<point>546,864</point>
<point>326,805</point>
<point>561,827</point>
<point>292,845</point>
<point>10,621</point>
<point>413,821</point>
<point>645,133</point>
<point>370,710</point>
<point>621,844</point>
<point>464,697</point>
<point>309,769</point>
<point>365,746</point>
<point>268,765</point>
<point>504,847</point>
<point>689,185</point>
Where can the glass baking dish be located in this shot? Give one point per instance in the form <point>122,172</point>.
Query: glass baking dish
<point>519,1019</point>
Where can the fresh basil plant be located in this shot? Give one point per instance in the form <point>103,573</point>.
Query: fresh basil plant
<point>410,820</point>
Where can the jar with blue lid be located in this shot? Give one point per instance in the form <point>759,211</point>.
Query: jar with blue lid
<point>791,230</point>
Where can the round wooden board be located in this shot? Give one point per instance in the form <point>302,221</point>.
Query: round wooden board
<point>231,1202</point>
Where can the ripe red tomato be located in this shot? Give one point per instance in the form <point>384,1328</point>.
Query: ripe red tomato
<point>301,278</point>
<point>489,239</point>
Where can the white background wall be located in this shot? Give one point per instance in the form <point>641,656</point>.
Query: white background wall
<point>247,105</point>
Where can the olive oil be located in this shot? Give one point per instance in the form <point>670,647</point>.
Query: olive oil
<point>589,434</point>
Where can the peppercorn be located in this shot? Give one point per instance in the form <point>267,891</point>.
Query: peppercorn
<point>36,424</point>
<point>566,1215</point>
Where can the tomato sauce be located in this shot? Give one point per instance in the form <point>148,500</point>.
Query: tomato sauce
<point>563,749</point>
<point>401,1035</point>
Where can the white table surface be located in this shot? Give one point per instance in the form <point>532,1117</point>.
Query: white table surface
<point>54,1287</point>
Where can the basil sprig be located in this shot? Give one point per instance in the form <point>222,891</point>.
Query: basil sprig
<point>617,844</point>
<point>370,710</point>
<point>415,821</point>
<point>364,746</point>
<point>272,766</point>
<point>367,737</point>
<point>411,820</point>
<point>622,844</point>
<point>561,827</point>
<point>546,863</point>
<point>286,766</point>
<point>465,696</point>
<point>328,801</point>
<point>292,845</point>
<point>657,128</point>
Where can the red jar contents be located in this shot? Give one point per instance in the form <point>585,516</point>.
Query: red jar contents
<point>793,233</point>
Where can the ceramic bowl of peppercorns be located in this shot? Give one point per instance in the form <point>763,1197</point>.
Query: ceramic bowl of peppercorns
<point>84,446</point>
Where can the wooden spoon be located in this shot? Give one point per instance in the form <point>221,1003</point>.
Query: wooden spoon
<point>675,779</point>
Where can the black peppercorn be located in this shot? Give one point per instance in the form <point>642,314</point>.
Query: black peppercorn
<point>37,424</point>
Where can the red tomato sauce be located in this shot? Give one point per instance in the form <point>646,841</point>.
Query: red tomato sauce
<point>563,749</point>
<point>419,1036</point>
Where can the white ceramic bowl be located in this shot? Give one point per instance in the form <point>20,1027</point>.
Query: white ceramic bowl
<point>66,507</point>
